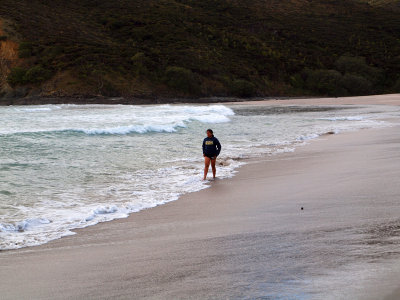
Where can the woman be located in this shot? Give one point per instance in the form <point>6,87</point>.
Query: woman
<point>211,149</point>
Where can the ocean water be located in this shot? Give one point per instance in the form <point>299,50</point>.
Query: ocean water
<point>64,167</point>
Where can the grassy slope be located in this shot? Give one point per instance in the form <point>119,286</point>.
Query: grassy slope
<point>220,47</point>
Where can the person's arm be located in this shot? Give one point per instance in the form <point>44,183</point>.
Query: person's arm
<point>204,145</point>
<point>218,146</point>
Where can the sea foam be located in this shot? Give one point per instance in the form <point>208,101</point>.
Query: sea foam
<point>344,118</point>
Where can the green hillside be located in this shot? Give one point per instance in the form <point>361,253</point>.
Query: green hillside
<point>391,4</point>
<point>193,48</point>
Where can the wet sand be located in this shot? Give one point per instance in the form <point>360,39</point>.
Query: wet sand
<point>242,237</point>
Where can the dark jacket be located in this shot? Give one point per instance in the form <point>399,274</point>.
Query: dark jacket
<point>211,146</point>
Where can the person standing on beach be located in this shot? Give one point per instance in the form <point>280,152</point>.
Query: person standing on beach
<point>211,149</point>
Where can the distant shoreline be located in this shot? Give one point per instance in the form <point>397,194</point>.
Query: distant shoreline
<point>315,100</point>
<point>132,101</point>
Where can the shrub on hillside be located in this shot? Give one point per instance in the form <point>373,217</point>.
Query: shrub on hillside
<point>356,84</point>
<point>139,61</point>
<point>182,79</point>
<point>396,86</point>
<point>16,76</point>
<point>352,64</point>
<point>37,74</point>
<point>20,76</point>
<point>358,65</point>
<point>25,50</point>
<point>326,82</point>
<point>297,81</point>
<point>333,83</point>
<point>242,88</point>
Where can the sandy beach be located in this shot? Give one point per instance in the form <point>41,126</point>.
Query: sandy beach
<point>230,240</point>
<point>387,99</point>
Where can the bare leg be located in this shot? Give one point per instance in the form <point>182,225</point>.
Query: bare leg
<point>206,166</point>
<point>213,167</point>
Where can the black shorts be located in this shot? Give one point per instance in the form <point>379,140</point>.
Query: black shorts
<point>211,156</point>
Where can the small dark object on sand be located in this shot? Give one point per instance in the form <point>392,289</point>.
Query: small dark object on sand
<point>302,208</point>
<point>329,132</point>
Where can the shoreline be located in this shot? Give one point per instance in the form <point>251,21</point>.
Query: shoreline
<point>350,101</point>
<point>166,223</point>
<point>131,100</point>
<point>207,100</point>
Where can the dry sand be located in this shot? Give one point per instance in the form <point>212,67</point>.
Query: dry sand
<point>231,240</point>
<point>388,99</point>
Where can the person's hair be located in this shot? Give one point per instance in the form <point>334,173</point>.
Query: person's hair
<point>210,130</point>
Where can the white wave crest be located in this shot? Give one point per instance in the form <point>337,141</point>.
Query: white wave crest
<point>112,120</point>
<point>131,129</point>
<point>41,108</point>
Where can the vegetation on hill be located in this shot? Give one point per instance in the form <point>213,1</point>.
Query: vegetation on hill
<point>192,48</point>
<point>391,4</point>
